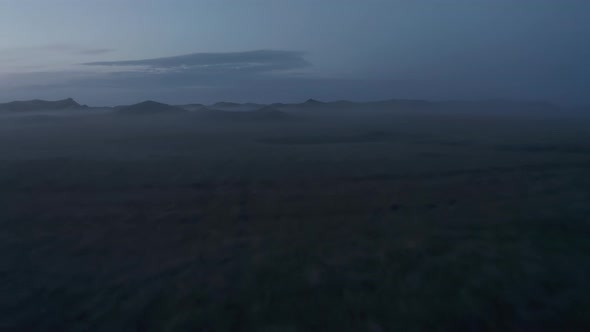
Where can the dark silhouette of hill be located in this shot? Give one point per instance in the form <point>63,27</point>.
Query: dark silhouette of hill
<point>149,107</point>
<point>254,105</point>
<point>311,107</point>
<point>224,104</point>
<point>191,107</point>
<point>496,105</point>
<point>265,113</point>
<point>278,105</point>
<point>313,102</point>
<point>227,106</point>
<point>41,105</point>
<point>392,106</point>
<point>477,106</point>
<point>270,111</point>
<point>309,104</point>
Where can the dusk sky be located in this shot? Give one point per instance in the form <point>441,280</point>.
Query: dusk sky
<point>105,52</point>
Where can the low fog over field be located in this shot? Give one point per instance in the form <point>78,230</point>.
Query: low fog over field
<point>373,216</point>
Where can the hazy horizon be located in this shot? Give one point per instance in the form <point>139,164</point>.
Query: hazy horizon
<point>120,52</point>
<point>294,102</point>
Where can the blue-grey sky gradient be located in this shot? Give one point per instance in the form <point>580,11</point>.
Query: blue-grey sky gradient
<point>121,51</point>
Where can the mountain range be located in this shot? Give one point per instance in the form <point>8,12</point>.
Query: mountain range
<point>280,110</point>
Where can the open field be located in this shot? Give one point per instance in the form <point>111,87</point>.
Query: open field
<point>383,222</point>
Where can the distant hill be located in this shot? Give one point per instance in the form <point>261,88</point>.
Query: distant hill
<point>225,106</point>
<point>191,107</point>
<point>269,112</point>
<point>500,106</point>
<point>262,114</point>
<point>476,106</point>
<point>308,105</point>
<point>395,106</point>
<point>313,102</point>
<point>41,105</point>
<point>311,107</point>
<point>149,107</point>
<point>253,105</point>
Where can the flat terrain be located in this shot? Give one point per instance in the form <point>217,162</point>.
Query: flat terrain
<point>394,221</point>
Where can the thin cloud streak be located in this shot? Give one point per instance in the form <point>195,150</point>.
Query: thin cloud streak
<point>262,60</point>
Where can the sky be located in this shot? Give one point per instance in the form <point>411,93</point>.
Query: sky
<point>106,52</point>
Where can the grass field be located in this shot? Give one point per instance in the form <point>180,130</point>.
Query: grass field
<point>407,222</point>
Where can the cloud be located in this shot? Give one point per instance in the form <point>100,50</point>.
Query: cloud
<point>198,69</point>
<point>253,62</point>
<point>203,70</point>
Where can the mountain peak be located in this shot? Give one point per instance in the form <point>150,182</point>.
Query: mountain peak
<point>149,107</point>
<point>226,104</point>
<point>313,102</point>
<point>150,103</point>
